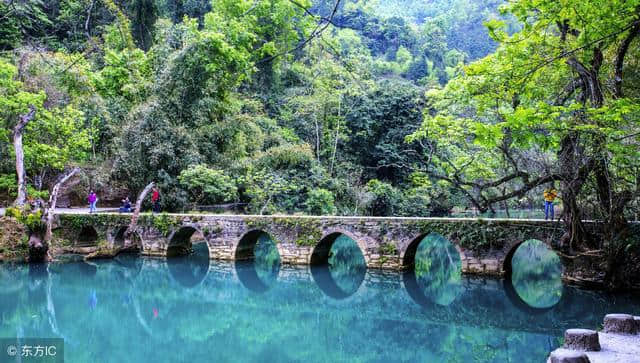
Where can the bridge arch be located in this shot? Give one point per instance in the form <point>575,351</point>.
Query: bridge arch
<point>244,249</point>
<point>87,236</point>
<point>179,241</point>
<point>343,282</point>
<point>256,277</point>
<point>438,280</point>
<point>320,253</point>
<point>537,286</point>
<point>507,267</point>
<point>408,257</point>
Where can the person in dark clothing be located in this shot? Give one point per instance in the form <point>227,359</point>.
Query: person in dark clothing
<point>126,206</point>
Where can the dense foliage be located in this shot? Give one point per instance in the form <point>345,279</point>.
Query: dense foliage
<point>350,107</point>
<point>557,103</point>
<point>282,106</point>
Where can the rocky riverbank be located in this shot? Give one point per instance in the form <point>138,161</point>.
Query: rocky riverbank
<point>13,240</point>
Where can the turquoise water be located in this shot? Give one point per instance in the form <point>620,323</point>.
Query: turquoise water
<point>188,309</point>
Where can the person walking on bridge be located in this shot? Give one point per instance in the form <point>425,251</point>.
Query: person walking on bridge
<point>155,199</point>
<point>550,195</point>
<point>93,200</point>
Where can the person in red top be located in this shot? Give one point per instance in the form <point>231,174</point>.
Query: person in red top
<point>155,198</point>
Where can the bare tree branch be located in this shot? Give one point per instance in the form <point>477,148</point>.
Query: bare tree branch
<point>322,25</point>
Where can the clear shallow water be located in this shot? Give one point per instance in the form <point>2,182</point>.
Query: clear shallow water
<point>187,309</point>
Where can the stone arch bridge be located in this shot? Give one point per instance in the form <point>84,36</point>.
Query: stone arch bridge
<point>485,246</point>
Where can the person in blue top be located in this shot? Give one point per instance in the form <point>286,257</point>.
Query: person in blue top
<point>126,206</point>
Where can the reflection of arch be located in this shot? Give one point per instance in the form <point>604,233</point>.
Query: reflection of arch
<point>322,277</point>
<point>88,236</point>
<point>321,271</point>
<point>519,303</point>
<point>409,257</point>
<point>248,276</point>
<point>180,241</point>
<point>247,269</point>
<point>414,291</point>
<point>130,262</point>
<point>12,285</point>
<point>189,271</point>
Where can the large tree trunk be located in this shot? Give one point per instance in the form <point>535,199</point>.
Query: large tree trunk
<point>53,199</point>
<point>19,151</point>
<point>136,213</point>
<point>575,172</point>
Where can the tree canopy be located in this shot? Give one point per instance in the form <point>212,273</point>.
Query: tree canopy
<point>350,107</point>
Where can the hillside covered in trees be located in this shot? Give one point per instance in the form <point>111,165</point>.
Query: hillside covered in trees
<point>349,107</point>
<point>288,106</point>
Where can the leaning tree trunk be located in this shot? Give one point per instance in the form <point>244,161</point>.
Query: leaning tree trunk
<point>19,151</point>
<point>136,213</point>
<point>53,199</point>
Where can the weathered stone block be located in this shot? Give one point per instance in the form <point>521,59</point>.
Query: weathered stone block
<point>567,356</point>
<point>620,324</point>
<point>582,340</point>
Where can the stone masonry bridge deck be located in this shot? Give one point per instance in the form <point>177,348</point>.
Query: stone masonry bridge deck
<point>485,245</point>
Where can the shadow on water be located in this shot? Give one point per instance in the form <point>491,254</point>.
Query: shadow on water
<point>190,270</point>
<point>536,277</point>
<point>344,270</point>
<point>260,272</point>
<point>437,276</point>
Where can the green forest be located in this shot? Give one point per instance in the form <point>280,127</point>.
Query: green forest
<point>347,107</point>
<point>287,106</point>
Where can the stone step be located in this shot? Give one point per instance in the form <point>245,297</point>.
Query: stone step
<point>620,324</point>
<point>581,340</point>
<point>567,356</point>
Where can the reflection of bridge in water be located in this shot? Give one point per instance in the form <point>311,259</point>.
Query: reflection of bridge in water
<point>132,287</point>
<point>481,302</point>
